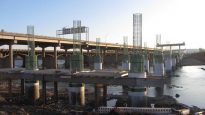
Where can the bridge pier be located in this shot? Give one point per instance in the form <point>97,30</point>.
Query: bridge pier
<point>32,90</point>
<point>43,58</point>
<point>24,61</point>
<point>168,64</point>
<point>11,64</point>
<point>116,58</point>
<point>44,91</point>
<point>126,65</point>
<point>10,87</point>
<point>179,58</point>
<point>56,91</point>
<point>77,94</point>
<point>100,95</point>
<point>104,95</point>
<point>55,58</point>
<point>146,64</point>
<point>159,91</point>
<point>88,58</point>
<point>66,59</point>
<point>174,61</point>
<point>22,87</point>
<point>158,64</point>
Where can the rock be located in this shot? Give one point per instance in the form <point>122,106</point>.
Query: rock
<point>177,95</point>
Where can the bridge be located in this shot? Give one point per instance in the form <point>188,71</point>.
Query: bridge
<point>87,47</point>
<point>7,38</point>
<point>112,54</point>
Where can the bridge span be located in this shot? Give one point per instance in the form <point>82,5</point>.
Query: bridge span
<point>7,38</point>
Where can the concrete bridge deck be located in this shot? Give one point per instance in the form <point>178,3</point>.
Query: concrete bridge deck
<point>46,41</point>
<point>91,77</point>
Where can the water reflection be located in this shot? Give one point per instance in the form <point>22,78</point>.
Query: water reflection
<point>188,82</point>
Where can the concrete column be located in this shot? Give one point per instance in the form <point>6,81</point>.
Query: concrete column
<point>32,90</point>
<point>179,58</point>
<point>88,58</point>
<point>168,64</point>
<point>98,65</point>
<point>158,60</point>
<point>10,87</point>
<point>81,50</point>
<point>104,95</point>
<point>22,87</point>
<point>24,61</point>
<point>44,91</point>
<point>137,96</point>
<point>146,63</point>
<point>159,91</point>
<point>77,94</point>
<point>99,95</point>
<point>43,58</point>
<point>103,55</point>
<point>116,57</point>
<point>97,100</point>
<point>174,61</point>
<point>56,90</point>
<point>66,58</point>
<point>137,66</point>
<point>179,50</point>
<point>55,58</point>
<point>11,64</point>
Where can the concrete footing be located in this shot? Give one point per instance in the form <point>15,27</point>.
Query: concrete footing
<point>159,69</point>
<point>126,66</point>
<point>174,63</point>
<point>137,75</point>
<point>168,65</point>
<point>98,66</point>
<point>137,96</point>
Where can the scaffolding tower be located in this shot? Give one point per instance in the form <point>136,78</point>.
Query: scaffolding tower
<point>31,59</point>
<point>137,30</point>
<point>77,57</point>
<point>137,56</point>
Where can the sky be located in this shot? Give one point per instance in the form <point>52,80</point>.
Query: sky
<point>176,20</point>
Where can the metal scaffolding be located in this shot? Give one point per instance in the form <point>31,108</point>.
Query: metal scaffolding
<point>126,57</point>
<point>75,30</point>
<point>31,59</point>
<point>77,63</point>
<point>137,30</point>
<point>137,57</point>
<point>76,37</point>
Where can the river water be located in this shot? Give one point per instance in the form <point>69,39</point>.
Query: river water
<point>188,82</point>
<point>192,80</point>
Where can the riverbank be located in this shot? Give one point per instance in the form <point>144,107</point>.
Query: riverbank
<point>9,106</point>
